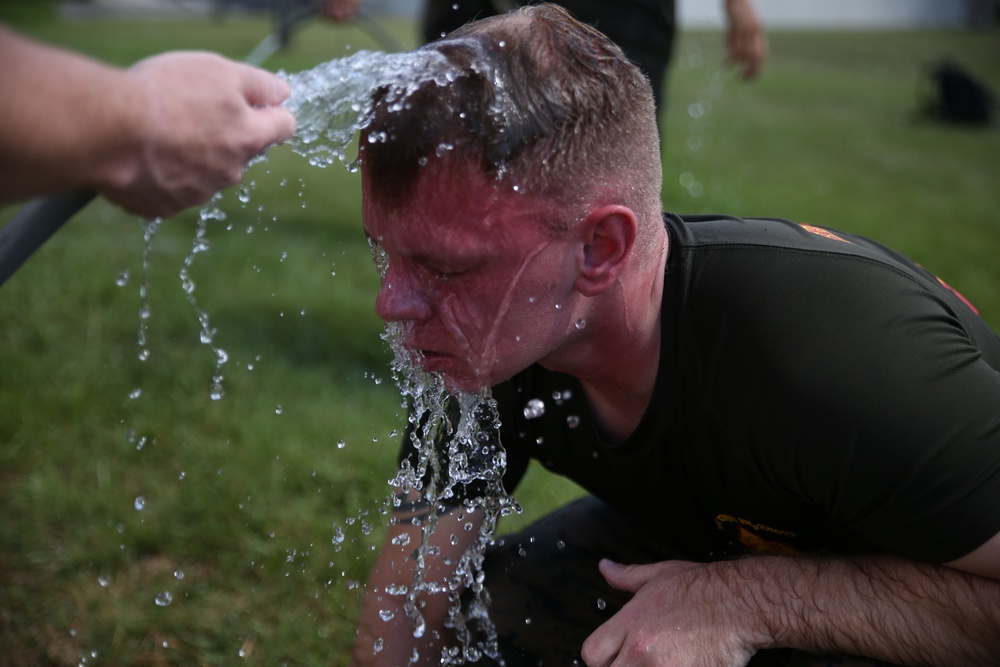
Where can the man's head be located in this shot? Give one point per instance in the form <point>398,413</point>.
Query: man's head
<point>502,202</point>
<point>543,103</point>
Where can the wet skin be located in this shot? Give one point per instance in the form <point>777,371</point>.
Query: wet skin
<point>477,286</point>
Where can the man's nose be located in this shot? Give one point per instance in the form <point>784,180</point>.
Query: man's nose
<point>401,298</point>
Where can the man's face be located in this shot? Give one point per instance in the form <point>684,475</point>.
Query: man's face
<point>479,289</point>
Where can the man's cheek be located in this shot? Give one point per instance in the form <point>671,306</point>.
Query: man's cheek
<point>474,323</point>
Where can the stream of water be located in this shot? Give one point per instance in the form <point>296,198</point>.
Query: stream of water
<point>330,103</point>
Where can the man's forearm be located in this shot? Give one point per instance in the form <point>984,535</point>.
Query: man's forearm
<point>68,121</point>
<point>888,608</point>
<point>386,634</point>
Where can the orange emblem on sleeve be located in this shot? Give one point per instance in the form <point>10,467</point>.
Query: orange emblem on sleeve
<point>819,231</point>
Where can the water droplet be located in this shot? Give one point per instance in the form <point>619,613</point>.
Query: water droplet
<point>134,394</point>
<point>534,409</point>
<point>104,581</point>
<point>580,324</point>
<point>572,421</point>
<point>278,409</point>
<point>697,110</point>
<point>163,599</point>
<point>601,604</point>
<point>178,574</point>
<point>122,279</point>
<point>386,614</point>
<point>338,536</point>
<point>341,444</point>
<point>139,503</point>
<point>216,391</point>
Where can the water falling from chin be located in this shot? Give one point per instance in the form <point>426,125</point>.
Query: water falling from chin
<point>456,439</point>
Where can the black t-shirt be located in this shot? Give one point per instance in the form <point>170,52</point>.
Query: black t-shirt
<point>817,393</point>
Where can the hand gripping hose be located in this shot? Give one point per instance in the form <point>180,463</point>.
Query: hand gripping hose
<point>40,218</point>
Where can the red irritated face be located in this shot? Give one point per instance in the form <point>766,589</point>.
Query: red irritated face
<point>477,285</point>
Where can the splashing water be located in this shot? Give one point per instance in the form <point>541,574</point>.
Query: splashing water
<point>149,230</point>
<point>331,101</point>
<point>469,426</point>
<point>199,245</point>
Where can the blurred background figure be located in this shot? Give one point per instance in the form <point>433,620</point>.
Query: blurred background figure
<point>288,14</point>
<point>644,29</point>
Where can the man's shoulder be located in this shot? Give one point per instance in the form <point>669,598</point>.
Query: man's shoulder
<point>726,231</point>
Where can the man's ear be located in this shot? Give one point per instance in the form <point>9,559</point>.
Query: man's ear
<point>607,236</point>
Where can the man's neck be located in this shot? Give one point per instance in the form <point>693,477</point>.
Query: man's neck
<point>618,359</point>
<point>620,396</point>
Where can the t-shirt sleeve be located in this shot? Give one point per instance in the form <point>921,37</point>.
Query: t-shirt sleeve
<point>882,410</point>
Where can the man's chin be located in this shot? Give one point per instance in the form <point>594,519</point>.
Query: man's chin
<point>464,384</point>
<point>456,375</point>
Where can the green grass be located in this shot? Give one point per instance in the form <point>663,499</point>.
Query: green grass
<point>243,495</point>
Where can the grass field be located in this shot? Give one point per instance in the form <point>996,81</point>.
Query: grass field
<point>123,481</point>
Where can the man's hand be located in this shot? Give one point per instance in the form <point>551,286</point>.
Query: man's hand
<point>721,613</point>
<point>680,615</point>
<point>203,119</point>
<point>341,10</point>
<point>745,40</point>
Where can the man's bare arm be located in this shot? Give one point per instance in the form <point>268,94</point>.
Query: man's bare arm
<point>386,635</point>
<point>158,137</point>
<point>889,608</point>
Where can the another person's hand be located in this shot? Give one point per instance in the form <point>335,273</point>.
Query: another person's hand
<point>340,10</point>
<point>746,44</point>
<point>679,616</point>
<point>204,118</point>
